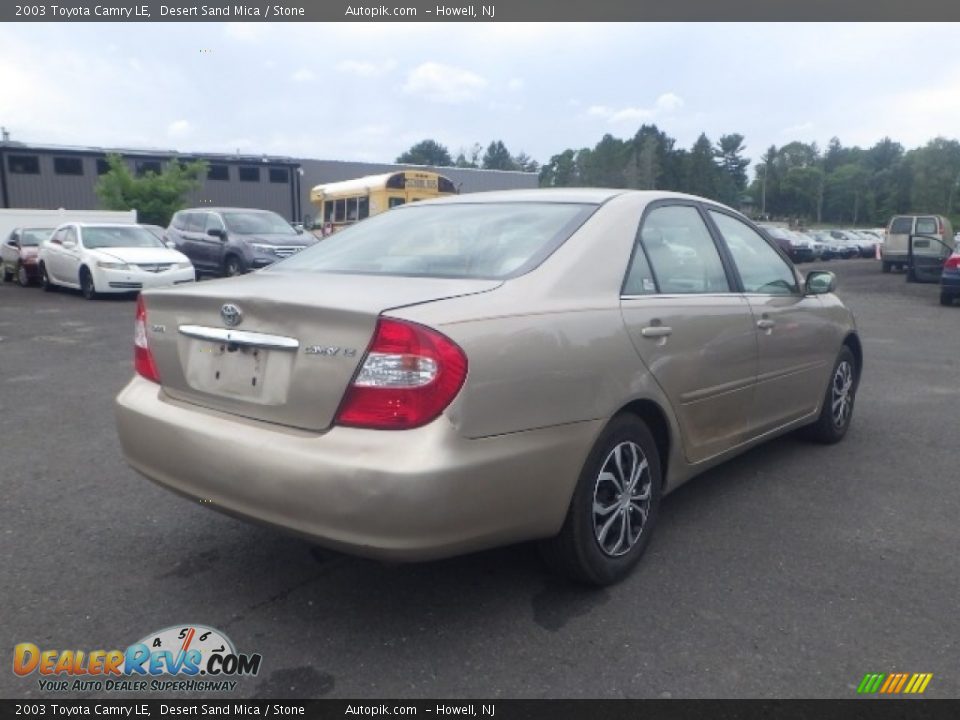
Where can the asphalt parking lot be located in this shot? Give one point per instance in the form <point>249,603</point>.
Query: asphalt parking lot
<point>789,572</point>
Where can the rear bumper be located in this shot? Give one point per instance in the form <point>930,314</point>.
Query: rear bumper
<point>407,495</point>
<point>950,283</point>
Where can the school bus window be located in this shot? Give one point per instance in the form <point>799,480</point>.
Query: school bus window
<point>352,209</point>
<point>364,208</point>
<point>328,211</point>
<point>340,214</point>
<point>394,201</point>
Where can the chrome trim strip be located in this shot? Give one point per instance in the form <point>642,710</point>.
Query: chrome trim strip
<point>240,337</point>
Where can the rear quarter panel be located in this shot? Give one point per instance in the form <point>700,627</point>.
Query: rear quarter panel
<point>550,347</point>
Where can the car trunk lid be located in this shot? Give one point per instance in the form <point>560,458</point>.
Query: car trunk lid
<point>296,347</point>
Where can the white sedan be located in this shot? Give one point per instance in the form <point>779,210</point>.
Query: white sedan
<point>100,258</point>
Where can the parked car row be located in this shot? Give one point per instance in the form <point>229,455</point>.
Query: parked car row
<point>100,258</point>
<point>809,245</point>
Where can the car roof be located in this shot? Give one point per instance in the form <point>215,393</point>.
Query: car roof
<point>226,209</point>
<point>591,196</point>
<point>99,224</point>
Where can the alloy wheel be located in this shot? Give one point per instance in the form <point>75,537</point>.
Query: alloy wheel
<point>621,499</point>
<point>842,396</point>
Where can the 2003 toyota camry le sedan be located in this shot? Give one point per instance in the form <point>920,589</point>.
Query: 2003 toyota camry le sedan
<point>485,369</point>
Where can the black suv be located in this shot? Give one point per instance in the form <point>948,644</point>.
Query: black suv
<point>231,241</point>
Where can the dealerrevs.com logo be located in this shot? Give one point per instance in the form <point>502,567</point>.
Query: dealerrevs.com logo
<point>178,658</point>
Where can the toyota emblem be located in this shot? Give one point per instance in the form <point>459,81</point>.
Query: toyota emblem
<point>231,314</point>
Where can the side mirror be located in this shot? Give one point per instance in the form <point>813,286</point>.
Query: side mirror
<point>299,230</point>
<point>69,244</point>
<point>820,282</point>
<point>217,233</point>
<point>170,244</point>
<point>14,242</point>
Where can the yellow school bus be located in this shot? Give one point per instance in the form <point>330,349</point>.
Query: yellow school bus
<point>343,203</point>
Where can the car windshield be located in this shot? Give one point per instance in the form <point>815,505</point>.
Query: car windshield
<point>257,223</point>
<point>118,237</point>
<point>468,240</point>
<point>31,237</point>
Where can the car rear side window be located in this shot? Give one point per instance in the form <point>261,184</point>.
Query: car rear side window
<point>901,226</point>
<point>681,252</point>
<point>926,226</point>
<point>762,269</point>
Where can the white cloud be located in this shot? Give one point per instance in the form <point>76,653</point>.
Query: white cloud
<point>178,129</point>
<point>798,129</point>
<point>515,84</point>
<point>664,104</point>
<point>363,68</point>
<point>302,75</point>
<point>668,102</point>
<point>444,83</point>
<point>243,30</point>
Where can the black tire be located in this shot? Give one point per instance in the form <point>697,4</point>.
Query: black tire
<point>946,299</point>
<point>7,275</point>
<point>885,267</point>
<point>580,551</point>
<point>87,287</point>
<point>233,265</point>
<point>45,279</point>
<point>828,428</point>
<point>23,280</point>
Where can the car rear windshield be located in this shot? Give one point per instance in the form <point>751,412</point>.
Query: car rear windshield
<point>107,237</point>
<point>463,240</point>
<point>257,223</point>
<point>34,236</point>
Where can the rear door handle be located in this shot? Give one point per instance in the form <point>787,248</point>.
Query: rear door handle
<point>657,331</point>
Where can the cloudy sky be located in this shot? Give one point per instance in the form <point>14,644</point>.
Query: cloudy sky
<point>369,91</point>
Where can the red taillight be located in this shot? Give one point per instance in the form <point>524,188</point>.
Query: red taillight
<point>409,376</point>
<point>142,357</point>
<point>952,263</point>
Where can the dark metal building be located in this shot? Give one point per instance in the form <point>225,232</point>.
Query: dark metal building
<point>51,176</point>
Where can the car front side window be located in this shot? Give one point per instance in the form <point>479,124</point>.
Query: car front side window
<point>682,255</point>
<point>762,269</point>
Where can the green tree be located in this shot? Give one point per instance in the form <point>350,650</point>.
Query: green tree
<point>497,157</point>
<point>733,178</point>
<point>469,158</point>
<point>936,173</point>
<point>155,197</point>
<point>845,189</point>
<point>702,172</point>
<point>427,152</point>
<point>561,171</point>
<point>604,165</point>
<point>526,163</point>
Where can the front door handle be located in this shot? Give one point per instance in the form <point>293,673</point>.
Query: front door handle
<point>657,331</point>
<point>765,324</point>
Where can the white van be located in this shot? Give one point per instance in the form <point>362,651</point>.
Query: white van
<point>929,252</point>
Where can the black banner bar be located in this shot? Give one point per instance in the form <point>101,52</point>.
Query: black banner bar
<point>479,11</point>
<point>854,709</point>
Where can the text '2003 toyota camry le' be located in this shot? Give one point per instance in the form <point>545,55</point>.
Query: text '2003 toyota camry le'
<point>486,369</point>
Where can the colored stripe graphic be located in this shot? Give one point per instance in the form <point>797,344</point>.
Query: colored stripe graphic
<point>894,683</point>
